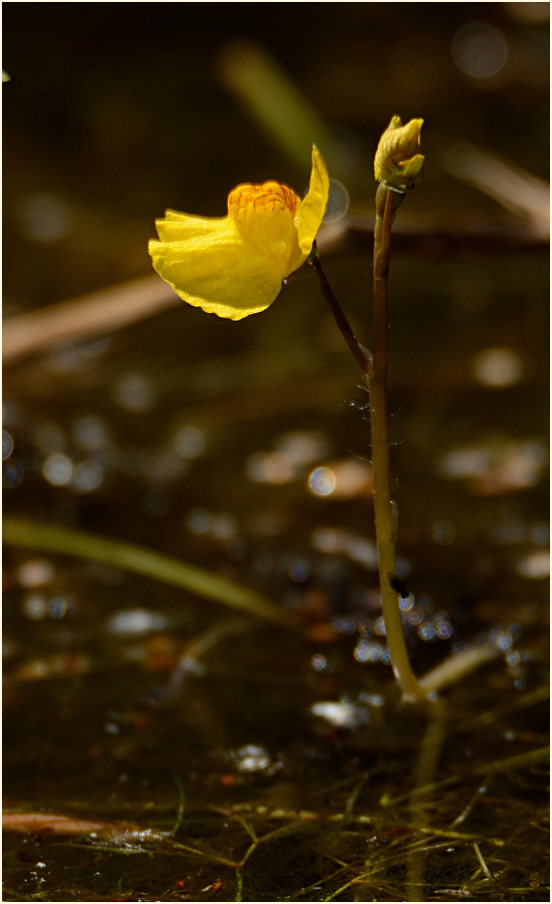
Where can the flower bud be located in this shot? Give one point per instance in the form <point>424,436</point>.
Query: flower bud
<point>396,162</point>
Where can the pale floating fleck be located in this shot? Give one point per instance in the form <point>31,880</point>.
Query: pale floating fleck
<point>497,367</point>
<point>362,551</point>
<point>443,626</point>
<point>426,631</point>
<point>88,476</point>
<point>45,217</point>
<point>220,525</point>
<point>353,478</point>
<point>77,358</point>
<point>58,469</point>
<point>329,540</point>
<point>406,604</point>
<point>338,540</point>
<point>374,700</point>
<point>189,441</point>
<point>135,622</point>
<point>415,616</point>
<point>35,573</point>
<point>188,665</point>
<point>270,467</point>
<point>90,433</point>
<point>341,479</point>
<point>367,650</point>
<point>502,639</point>
<point>251,758</point>
<point>340,714</point>
<point>7,445</point>
<point>464,462</point>
<point>35,606</point>
<point>198,521</point>
<point>498,465</point>
<point>345,624</point>
<point>162,466</point>
<point>322,481</point>
<point>534,565</point>
<point>224,526</point>
<point>60,607</point>
<point>319,662</point>
<point>480,49</point>
<point>134,392</point>
<point>379,626</point>
<point>302,447</point>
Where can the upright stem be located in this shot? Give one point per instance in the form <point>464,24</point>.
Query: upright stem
<point>374,372</point>
<point>387,202</point>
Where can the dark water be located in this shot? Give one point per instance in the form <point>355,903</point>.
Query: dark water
<point>277,764</point>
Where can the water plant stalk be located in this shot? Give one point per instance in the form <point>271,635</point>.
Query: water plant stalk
<point>387,203</point>
<point>373,367</point>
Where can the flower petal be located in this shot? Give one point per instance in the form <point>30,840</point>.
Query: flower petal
<point>179,227</point>
<point>264,216</point>
<point>309,216</point>
<point>211,267</point>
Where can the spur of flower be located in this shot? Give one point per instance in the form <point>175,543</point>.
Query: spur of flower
<point>397,162</point>
<point>234,266</point>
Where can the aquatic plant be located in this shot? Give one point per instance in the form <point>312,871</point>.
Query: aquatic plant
<point>235,266</point>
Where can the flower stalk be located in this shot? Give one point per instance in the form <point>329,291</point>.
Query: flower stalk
<point>362,356</point>
<point>387,203</point>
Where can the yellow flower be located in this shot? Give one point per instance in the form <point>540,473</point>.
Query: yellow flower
<point>396,161</point>
<point>234,266</point>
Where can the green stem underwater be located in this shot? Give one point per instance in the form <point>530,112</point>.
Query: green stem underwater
<point>387,202</point>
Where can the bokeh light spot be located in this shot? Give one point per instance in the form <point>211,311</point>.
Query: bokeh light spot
<point>338,202</point>
<point>322,481</point>
<point>58,469</point>
<point>497,367</point>
<point>480,50</point>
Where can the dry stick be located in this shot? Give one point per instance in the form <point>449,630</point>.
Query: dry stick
<point>84,318</point>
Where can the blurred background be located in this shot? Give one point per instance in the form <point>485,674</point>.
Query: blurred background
<point>113,114</point>
<point>244,448</point>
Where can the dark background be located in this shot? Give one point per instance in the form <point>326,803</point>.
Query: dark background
<point>115,111</point>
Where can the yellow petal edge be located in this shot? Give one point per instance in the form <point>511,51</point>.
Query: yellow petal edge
<point>212,265</point>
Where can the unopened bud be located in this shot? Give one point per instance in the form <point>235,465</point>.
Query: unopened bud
<point>396,162</point>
